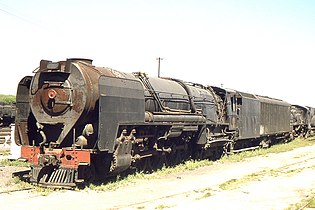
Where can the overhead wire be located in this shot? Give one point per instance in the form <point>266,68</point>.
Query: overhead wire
<point>7,10</point>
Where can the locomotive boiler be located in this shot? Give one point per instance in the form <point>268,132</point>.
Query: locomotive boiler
<point>76,122</point>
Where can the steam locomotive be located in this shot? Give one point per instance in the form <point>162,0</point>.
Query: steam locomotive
<point>76,122</point>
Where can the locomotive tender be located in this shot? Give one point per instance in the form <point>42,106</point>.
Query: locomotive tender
<point>77,122</point>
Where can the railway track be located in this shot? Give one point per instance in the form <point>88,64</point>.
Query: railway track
<point>306,204</point>
<point>16,190</point>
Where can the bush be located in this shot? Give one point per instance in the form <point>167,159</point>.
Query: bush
<point>7,99</point>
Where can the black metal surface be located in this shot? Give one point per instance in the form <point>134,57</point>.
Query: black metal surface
<point>178,97</point>
<point>184,118</point>
<point>231,109</point>
<point>300,120</point>
<point>299,115</point>
<point>52,176</point>
<point>65,106</point>
<point>312,116</point>
<point>7,114</point>
<point>205,102</point>
<point>274,116</point>
<point>248,112</point>
<point>163,94</point>
<point>23,110</point>
<point>121,102</point>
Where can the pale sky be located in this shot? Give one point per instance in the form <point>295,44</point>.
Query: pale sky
<point>265,47</point>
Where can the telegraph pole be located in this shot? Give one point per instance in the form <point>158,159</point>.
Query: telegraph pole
<point>159,65</point>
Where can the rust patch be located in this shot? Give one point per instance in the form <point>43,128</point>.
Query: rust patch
<point>55,100</point>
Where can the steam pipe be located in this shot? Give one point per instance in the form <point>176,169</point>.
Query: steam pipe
<point>150,117</point>
<point>41,132</point>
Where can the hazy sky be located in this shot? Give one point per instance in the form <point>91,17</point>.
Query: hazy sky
<point>265,47</point>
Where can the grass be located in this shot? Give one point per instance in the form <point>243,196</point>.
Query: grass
<point>311,203</point>
<point>18,184</point>
<point>186,166</point>
<point>4,152</point>
<point>6,162</point>
<point>163,207</point>
<point>193,164</point>
<point>235,183</point>
<point>118,182</point>
<point>305,203</point>
<point>205,195</point>
<point>7,99</point>
<point>44,191</point>
<point>285,147</point>
<point>133,178</point>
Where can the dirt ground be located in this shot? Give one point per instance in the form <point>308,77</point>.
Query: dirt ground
<point>274,181</point>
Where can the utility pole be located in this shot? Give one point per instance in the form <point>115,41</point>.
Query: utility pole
<point>159,65</point>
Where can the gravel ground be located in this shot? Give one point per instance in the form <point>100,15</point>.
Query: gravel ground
<point>7,183</point>
<point>274,181</point>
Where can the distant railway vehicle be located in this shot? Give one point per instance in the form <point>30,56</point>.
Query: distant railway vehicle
<point>7,115</point>
<point>302,120</point>
<point>311,121</point>
<point>77,122</point>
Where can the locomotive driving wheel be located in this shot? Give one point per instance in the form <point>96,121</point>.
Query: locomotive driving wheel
<point>144,165</point>
<point>87,173</point>
<point>91,174</point>
<point>157,162</point>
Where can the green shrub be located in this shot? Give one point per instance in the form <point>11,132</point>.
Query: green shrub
<point>7,99</point>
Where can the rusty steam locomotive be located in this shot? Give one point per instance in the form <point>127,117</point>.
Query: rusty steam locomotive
<point>77,122</point>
